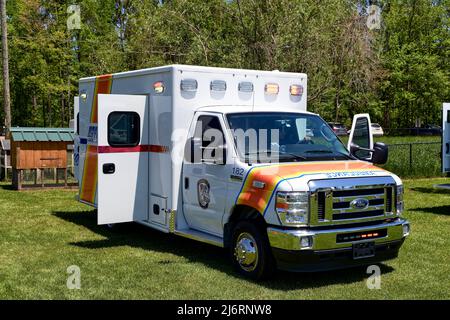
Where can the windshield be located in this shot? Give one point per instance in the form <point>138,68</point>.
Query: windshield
<point>284,137</point>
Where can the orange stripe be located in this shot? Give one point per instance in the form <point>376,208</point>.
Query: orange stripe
<point>103,85</point>
<point>89,185</point>
<point>271,175</point>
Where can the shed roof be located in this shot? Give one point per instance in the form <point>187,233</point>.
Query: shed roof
<point>42,134</point>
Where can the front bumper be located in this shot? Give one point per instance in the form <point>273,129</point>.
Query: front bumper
<point>326,252</point>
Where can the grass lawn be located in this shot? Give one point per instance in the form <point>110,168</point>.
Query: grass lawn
<point>44,232</point>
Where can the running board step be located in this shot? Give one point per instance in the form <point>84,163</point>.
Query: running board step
<point>200,236</point>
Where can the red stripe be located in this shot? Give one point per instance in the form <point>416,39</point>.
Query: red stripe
<point>139,148</point>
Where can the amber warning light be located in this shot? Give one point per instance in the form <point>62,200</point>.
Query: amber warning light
<point>271,88</point>
<point>158,87</point>
<point>296,90</point>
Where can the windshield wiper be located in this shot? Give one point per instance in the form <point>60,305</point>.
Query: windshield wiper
<point>329,151</point>
<point>295,156</point>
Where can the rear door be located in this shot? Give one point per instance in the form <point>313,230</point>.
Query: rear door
<point>76,146</point>
<point>122,158</point>
<point>446,138</point>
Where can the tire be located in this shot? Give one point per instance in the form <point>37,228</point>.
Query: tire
<point>114,227</point>
<point>250,251</point>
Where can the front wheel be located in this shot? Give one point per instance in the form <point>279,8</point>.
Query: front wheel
<point>250,251</point>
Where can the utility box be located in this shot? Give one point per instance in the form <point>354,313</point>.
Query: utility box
<point>37,149</point>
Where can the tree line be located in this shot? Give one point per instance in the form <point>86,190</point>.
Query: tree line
<point>391,60</point>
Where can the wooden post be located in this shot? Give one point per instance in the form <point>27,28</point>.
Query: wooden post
<point>15,179</point>
<point>42,177</point>
<point>20,178</point>
<point>65,177</point>
<point>36,171</point>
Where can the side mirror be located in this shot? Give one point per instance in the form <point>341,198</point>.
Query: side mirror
<point>379,152</point>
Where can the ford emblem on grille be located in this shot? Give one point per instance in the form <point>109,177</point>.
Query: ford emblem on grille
<point>359,203</point>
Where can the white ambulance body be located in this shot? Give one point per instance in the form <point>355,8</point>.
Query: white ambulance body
<point>446,138</point>
<point>313,210</point>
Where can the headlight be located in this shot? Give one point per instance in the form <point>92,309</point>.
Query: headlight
<point>399,199</point>
<point>292,208</point>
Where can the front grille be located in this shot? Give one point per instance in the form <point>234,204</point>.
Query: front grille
<point>389,191</point>
<point>357,192</point>
<point>321,206</point>
<point>358,215</point>
<point>351,200</point>
<point>345,203</point>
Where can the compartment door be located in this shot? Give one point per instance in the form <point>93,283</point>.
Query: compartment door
<point>123,140</point>
<point>446,138</point>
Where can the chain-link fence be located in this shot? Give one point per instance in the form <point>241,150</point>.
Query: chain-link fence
<point>415,159</point>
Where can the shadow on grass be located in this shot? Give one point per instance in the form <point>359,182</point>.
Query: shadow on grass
<point>139,236</point>
<point>8,187</point>
<point>441,210</point>
<point>431,190</point>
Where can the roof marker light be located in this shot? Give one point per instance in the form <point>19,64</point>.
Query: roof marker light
<point>245,86</point>
<point>218,85</point>
<point>296,90</point>
<point>271,88</point>
<point>158,87</point>
<point>188,85</point>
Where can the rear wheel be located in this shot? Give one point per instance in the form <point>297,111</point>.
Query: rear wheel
<point>250,251</point>
<point>115,227</point>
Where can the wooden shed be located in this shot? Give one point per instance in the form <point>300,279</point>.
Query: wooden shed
<point>37,149</point>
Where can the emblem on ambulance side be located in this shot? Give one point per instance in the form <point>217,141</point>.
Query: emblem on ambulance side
<point>203,193</point>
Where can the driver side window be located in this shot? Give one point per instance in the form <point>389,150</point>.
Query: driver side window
<point>209,131</point>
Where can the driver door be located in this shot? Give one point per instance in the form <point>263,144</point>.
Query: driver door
<point>205,175</point>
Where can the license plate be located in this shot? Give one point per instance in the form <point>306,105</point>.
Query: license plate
<point>363,250</point>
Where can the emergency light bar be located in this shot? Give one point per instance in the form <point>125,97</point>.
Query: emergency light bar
<point>158,87</point>
<point>188,85</point>
<point>296,90</point>
<point>245,86</point>
<point>271,88</point>
<point>218,85</point>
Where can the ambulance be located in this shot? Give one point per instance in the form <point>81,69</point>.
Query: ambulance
<point>232,158</point>
<point>446,138</point>
<point>445,152</point>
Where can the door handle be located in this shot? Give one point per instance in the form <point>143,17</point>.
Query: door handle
<point>447,148</point>
<point>109,168</point>
<point>186,183</point>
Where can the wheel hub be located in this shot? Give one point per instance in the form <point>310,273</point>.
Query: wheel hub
<point>246,252</point>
